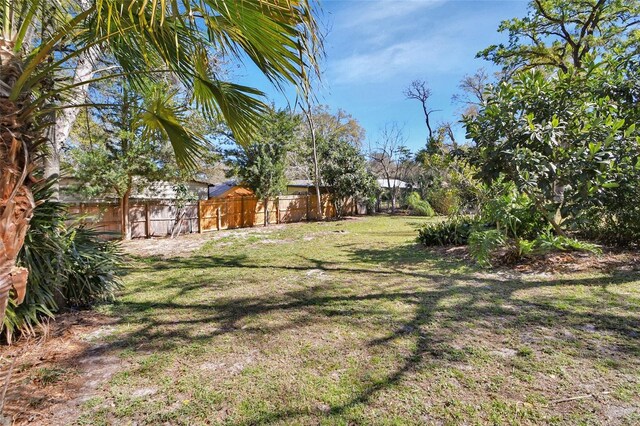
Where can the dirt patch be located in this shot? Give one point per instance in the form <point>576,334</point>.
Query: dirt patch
<point>609,261</point>
<point>612,259</point>
<point>56,374</point>
<point>186,245</point>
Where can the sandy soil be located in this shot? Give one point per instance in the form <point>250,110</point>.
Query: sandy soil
<point>59,371</point>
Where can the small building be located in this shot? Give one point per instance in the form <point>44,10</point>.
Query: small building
<point>303,186</point>
<point>233,189</point>
<point>392,183</point>
<point>388,195</point>
<point>229,189</point>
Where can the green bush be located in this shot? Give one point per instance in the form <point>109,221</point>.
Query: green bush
<point>453,231</point>
<point>512,212</point>
<point>490,245</point>
<point>547,242</point>
<point>508,229</point>
<point>445,201</point>
<point>65,262</point>
<point>613,224</point>
<point>419,206</point>
<point>93,265</point>
<point>483,245</point>
<point>41,255</point>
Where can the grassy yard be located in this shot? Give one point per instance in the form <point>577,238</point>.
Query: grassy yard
<point>352,323</point>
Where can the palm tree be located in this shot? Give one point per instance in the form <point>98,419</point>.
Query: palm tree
<point>42,42</point>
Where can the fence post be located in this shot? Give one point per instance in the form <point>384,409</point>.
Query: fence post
<point>199,216</point>
<point>218,219</point>
<point>308,207</point>
<point>277,201</point>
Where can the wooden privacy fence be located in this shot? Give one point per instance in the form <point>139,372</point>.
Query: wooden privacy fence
<point>146,219</point>
<point>242,212</point>
<point>159,218</point>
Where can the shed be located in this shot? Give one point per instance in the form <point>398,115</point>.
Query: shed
<point>303,186</point>
<point>229,189</point>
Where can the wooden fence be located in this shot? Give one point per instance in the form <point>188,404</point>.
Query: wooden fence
<point>242,212</point>
<point>146,219</point>
<point>159,218</point>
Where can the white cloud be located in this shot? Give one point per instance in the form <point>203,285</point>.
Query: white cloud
<point>365,13</point>
<point>406,58</point>
<point>384,40</point>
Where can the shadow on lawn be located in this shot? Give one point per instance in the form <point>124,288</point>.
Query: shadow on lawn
<point>486,302</point>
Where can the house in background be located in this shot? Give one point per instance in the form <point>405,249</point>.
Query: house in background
<point>157,191</point>
<point>233,189</point>
<point>387,186</point>
<point>392,183</point>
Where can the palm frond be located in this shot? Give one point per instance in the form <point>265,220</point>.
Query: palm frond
<point>164,118</point>
<point>147,36</point>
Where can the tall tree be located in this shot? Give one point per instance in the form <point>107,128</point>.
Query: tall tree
<point>328,127</point>
<point>391,160</point>
<point>307,111</point>
<point>261,164</point>
<point>339,138</point>
<point>41,40</point>
<point>344,171</point>
<point>419,90</point>
<point>116,153</point>
<point>560,125</point>
<point>307,102</point>
<point>565,34</point>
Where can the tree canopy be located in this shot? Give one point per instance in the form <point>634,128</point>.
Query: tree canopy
<point>567,34</point>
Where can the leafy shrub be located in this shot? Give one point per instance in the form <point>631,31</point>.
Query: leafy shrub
<point>445,201</point>
<point>483,244</point>
<point>419,206</point>
<point>453,231</point>
<point>65,262</point>
<point>92,268</point>
<point>486,246</point>
<point>512,212</point>
<point>517,229</point>
<point>548,242</point>
<point>613,224</point>
<point>43,245</point>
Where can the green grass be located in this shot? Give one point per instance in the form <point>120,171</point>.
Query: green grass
<point>353,323</point>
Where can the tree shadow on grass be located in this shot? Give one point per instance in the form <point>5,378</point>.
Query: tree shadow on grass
<point>484,296</point>
<point>486,302</point>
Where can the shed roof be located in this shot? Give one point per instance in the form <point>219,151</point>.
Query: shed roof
<point>395,183</point>
<point>230,188</point>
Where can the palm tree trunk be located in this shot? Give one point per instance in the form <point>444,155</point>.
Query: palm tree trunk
<point>16,198</point>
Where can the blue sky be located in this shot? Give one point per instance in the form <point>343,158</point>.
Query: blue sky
<point>375,48</point>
